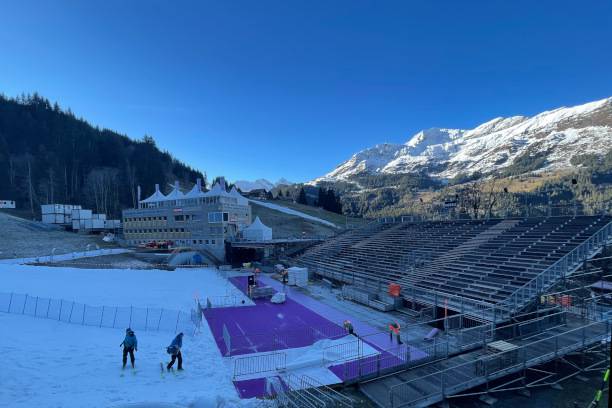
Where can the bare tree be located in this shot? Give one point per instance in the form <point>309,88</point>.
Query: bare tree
<point>101,187</point>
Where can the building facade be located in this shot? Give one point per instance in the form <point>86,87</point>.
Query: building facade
<point>197,219</point>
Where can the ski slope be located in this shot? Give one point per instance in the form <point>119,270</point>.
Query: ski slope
<point>291,211</point>
<point>66,365</point>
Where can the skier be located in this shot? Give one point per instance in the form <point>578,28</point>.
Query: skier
<point>348,326</point>
<point>395,328</point>
<point>174,349</point>
<point>130,344</point>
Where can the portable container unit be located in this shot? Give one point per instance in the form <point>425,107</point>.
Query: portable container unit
<point>97,224</point>
<point>48,218</point>
<point>68,209</point>
<point>49,208</point>
<point>298,276</point>
<point>7,204</point>
<point>76,224</point>
<point>59,219</point>
<point>111,224</point>
<point>80,214</point>
<point>98,216</point>
<point>89,224</point>
<point>81,224</point>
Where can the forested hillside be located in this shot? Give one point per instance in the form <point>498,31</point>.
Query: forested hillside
<point>48,155</point>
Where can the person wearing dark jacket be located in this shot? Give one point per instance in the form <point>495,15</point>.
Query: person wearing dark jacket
<point>174,349</point>
<point>130,344</point>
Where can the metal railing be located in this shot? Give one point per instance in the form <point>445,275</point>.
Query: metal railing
<point>344,351</point>
<point>492,366</point>
<point>138,318</point>
<point>259,364</point>
<point>566,264</point>
<point>237,299</point>
<point>392,360</point>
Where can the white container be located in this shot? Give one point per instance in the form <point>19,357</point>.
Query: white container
<point>298,276</point>
<point>7,204</point>
<point>68,209</point>
<point>59,219</point>
<point>89,224</point>
<point>97,224</point>
<point>48,218</point>
<point>76,207</point>
<point>81,224</point>
<point>98,216</point>
<point>80,214</point>
<point>47,209</point>
<point>76,225</point>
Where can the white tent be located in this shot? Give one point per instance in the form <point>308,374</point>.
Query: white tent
<point>196,191</point>
<point>241,200</point>
<point>157,196</point>
<point>175,194</point>
<point>257,231</point>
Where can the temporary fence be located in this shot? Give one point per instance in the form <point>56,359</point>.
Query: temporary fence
<point>232,300</point>
<point>344,351</point>
<point>259,364</point>
<point>138,318</point>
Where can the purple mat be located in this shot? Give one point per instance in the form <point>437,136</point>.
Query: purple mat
<point>387,359</point>
<point>267,326</point>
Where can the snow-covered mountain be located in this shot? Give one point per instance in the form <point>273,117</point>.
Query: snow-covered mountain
<point>557,134</point>
<point>246,186</point>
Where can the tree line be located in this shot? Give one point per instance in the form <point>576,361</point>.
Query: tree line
<point>47,155</point>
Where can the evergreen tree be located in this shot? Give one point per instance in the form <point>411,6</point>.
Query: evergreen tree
<point>48,155</point>
<point>302,197</point>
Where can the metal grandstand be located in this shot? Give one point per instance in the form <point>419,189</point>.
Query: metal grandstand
<point>488,268</point>
<point>500,291</point>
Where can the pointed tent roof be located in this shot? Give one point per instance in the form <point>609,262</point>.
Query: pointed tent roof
<point>258,225</point>
<point>241,200</point>
<point>155,197</point>
<point>196,191</point>
<point>175,194</point>
<point>217,190</point>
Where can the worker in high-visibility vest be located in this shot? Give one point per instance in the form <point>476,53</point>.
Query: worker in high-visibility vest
<point>395,328</point>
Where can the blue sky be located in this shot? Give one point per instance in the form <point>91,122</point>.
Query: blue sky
<point>252,89</point>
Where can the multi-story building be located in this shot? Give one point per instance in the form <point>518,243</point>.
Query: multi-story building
<point>198,219</point>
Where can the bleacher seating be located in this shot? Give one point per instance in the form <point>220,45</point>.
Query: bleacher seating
<point>483,260</point>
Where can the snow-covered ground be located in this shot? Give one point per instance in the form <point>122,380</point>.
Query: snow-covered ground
<point>55,364</point>
<point>315,359</point>
<point>66,257</point>
<point>291,211</point>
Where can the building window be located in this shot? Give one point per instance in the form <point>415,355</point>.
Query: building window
<point>215,217</point>
<point>225,217</point>
<point>212,241</point>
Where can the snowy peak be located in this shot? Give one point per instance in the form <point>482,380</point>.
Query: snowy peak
<point>558,135</point>
<point>368,160</point>
<point>245,186</point>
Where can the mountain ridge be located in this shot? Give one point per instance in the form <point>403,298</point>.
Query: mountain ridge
<point>496,145</point>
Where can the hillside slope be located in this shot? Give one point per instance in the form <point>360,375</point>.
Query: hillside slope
<point>49,155</point>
